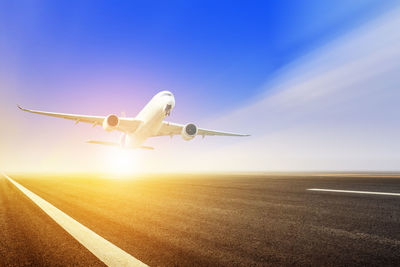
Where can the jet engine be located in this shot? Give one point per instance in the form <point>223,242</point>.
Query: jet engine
<point>189,131</point>
<point>110,122</point>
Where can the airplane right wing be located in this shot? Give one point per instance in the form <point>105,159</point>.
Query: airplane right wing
<point>170,128</point>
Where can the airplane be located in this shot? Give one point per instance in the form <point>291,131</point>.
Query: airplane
<point>148,123</point>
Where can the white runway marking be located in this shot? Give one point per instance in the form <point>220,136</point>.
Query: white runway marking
<point>355,192</point>
<point>107,252</point>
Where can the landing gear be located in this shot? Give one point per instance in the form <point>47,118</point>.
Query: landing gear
<point>168,109</point>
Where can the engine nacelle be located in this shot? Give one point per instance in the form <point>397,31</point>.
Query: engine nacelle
<point>189,131</point>
<point>110,122</point>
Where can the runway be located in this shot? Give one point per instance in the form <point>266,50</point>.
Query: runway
<point>203,220</point>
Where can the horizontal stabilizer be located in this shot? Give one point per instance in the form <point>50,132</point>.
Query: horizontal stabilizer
<point>147,147</point>
<point>106,143</point>
<point>103,143</point>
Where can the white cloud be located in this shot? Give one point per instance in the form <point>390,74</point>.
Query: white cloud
<point>335,109</point>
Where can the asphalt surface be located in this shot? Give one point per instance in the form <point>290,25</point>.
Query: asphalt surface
<point>28,237</point>
<point>203,220</point>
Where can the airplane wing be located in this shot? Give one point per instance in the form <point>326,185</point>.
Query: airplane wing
<point>170,129</point>
<point>125,124</point>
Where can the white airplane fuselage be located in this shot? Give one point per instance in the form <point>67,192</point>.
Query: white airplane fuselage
<point>152,116</point>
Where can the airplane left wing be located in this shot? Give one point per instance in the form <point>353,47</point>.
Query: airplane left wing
<point>170,129</point>
<point>125,124</point>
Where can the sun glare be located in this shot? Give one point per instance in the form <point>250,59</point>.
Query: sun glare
<point>122,163</point>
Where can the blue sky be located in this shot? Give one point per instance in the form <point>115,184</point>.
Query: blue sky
<point>219,51</point>
<point>300,76</point>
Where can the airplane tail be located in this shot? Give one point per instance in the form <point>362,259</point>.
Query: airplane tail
<point>106,143</point>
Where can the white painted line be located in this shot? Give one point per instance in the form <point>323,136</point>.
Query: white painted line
<point>107,252</point>
<point>355,192</point>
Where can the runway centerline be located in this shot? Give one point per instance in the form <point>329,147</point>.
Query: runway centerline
<point>104,250</point>
<point>354,192</point>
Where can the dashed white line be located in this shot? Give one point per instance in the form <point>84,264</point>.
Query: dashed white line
<point>104,250</point>
<point>354,192</point>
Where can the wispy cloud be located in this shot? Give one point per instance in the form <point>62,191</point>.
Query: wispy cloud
<point>335,109</point>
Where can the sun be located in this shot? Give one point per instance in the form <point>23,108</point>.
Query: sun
<point>122,163</point>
